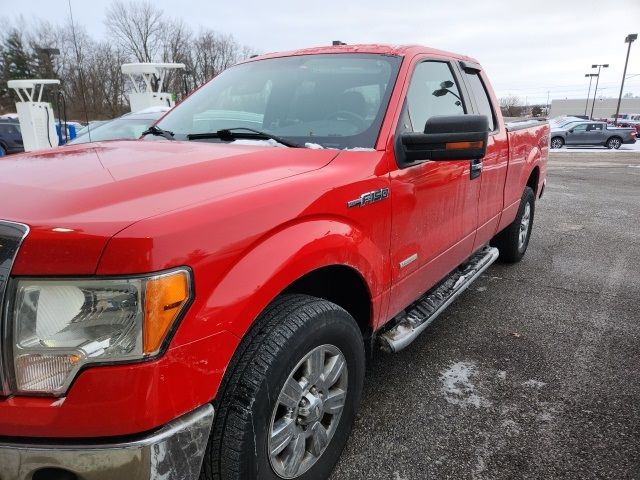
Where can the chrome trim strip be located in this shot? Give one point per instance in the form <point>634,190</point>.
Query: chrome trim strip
<point>174,452</point>
<point>7,260</point>
<point>409,260</point>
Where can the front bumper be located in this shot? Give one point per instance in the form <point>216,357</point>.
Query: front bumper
<point>174,452</point>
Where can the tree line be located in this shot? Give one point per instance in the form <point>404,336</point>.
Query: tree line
<point>89,68</point>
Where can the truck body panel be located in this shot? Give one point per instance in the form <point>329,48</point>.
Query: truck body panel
<point>250,220</point>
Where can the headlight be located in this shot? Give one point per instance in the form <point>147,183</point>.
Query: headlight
<point>61,325</point>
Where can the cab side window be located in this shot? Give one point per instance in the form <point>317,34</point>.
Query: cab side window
<point>580,128</point>
<point>482,98</point>
<point>433,91</point>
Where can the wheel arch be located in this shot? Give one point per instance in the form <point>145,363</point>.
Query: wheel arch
<point>534,180</point>
<point>320,257</point>
<point>531,174</point>
<point>342,285</point>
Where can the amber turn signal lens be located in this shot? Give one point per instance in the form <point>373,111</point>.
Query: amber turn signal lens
<point>165,297</point>
<point>463,145</point>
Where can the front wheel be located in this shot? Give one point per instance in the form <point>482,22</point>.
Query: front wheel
<point>557,142</point>
<point>614,143</point>
<point>288,405</point>
<point>513,241</point>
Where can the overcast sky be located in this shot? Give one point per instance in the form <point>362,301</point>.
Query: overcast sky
<point>528,47</point>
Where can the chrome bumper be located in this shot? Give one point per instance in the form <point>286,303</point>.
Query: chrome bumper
<point>174,452</point>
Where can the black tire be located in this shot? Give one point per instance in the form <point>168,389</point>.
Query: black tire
<point>508,241</point>
<point>614,143</point>
<point>557,142</point>
<point>285,332</point>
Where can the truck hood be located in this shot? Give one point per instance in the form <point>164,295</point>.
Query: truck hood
<point>77,197</point>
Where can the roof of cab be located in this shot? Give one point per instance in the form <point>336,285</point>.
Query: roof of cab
<point>381,49</point>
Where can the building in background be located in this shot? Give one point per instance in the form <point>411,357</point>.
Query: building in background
<point>604,107</point>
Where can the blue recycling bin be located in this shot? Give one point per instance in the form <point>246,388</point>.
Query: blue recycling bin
<point>71,132</point>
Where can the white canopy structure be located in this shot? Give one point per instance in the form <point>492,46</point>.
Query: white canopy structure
<point>29,88</point>
<point>36,117</point>
<point>144,95</point>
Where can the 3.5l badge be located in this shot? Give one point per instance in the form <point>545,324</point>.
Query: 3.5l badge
<point>369,197</point>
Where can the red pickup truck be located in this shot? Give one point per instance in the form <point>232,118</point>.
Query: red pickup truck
<point>200,303</point>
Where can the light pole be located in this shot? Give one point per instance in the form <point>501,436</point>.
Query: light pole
<point>630,39</point>
<point>590,75</point>
<point>595,93</point>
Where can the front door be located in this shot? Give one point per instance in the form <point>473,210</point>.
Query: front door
<point>577,135</point>
<point>434,203</point>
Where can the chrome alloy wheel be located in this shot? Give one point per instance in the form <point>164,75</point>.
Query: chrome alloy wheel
<point>307,412</point>
<point>525,222</point>
<point>556,143</point>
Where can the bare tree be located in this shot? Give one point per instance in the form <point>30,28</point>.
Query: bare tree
<point>142,33</point>
<point>138,27</point>
<point>214,52</point>
<point>511,106</point>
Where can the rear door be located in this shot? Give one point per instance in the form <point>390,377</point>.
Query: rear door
<point>595,133</point>
<point>434,203</point>
<point>496,161</point>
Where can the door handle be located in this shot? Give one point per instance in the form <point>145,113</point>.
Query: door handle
<point>476,168</point>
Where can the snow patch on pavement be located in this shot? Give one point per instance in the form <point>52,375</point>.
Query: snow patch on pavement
<point>533,384</point>
<point>458,388</point>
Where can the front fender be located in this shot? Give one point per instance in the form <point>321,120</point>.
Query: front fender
<point>272,264</point>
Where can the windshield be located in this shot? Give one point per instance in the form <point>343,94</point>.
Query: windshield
<point>568,124</point>
<point>336,100</point>
<point>118,129</point>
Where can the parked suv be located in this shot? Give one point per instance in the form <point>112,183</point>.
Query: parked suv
<point>10,138</point>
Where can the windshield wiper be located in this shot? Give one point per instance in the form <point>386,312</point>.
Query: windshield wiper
<point>233,133</point>
<point>158,132</point>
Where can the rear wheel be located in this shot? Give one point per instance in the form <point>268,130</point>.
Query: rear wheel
<point>614,143</point>
<point>557,142</point>
<point>513,241</point>
<point>289,402</point>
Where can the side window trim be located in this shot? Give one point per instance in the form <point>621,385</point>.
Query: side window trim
<point>470,68</point>
<point>466,100</point>
<point>457,78</point>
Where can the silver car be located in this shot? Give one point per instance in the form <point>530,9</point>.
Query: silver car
<point>592,133</point>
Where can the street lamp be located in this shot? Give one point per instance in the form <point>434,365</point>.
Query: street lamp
<point>595,93</point>
<point>47,54</point>
<point>590,75</point>
<point>632,37</point>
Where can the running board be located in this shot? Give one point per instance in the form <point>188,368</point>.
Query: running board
<point>411,322</point>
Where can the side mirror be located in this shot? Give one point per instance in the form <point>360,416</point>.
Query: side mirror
<point>455,137</point>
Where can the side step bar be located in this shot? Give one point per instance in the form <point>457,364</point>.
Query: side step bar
<point>411,322</point>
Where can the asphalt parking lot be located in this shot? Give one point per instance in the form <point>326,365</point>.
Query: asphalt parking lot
<point>534,371</point>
